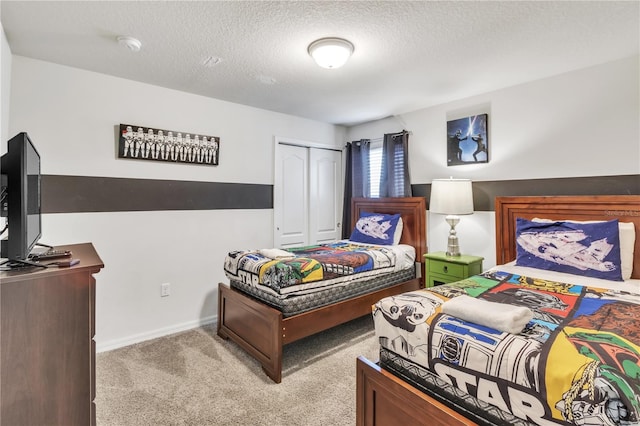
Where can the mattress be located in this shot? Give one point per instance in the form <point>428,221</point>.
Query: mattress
<point>306,270</point>
<point>297,304</point>
<point>576,362</point>
<point>421,378</point>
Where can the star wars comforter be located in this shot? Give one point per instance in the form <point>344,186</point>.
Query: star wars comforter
<point>577,361</point>
<point>309,269</point>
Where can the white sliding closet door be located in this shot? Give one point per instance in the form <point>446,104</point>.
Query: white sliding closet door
<point>325,195</point>
<point>307,195</point>
<point>291,196</point>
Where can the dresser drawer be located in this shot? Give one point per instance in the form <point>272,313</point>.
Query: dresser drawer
<point>447,269</point>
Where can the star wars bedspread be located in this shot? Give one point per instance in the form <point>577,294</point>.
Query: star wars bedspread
<point>577,362</point>
<point>316,267</point>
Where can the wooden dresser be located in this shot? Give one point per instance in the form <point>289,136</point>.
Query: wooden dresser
<point>47,351</point>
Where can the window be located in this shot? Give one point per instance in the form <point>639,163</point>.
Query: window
<point>375,167</point>
<point>396,170</point>
<point>364,171</point>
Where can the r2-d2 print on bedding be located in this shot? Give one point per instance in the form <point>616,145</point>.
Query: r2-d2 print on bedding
<point>142,143</point>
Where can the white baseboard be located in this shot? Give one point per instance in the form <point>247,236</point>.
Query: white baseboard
<point>137,338</point>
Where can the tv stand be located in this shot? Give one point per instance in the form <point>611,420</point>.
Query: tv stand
<point>47,352</point>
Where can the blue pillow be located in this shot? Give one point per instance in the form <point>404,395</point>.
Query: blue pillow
<point>589,249</point>
<point>376,228</point>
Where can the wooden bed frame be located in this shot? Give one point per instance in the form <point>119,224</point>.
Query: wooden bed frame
<point>383,399</point>
<point>263,331</point>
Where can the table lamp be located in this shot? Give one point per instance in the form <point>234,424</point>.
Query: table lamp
<point>452,197</point>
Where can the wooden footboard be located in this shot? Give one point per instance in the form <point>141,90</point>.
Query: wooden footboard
<point>382,399</point>
<point>262,331</point>
<point>254,326</point>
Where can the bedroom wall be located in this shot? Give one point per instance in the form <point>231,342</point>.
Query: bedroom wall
<point>71,116</point>
<point>582,123</point>
<point>5,84</point>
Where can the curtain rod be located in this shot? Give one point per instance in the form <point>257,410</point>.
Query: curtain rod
<point>381,138</point>
<point>409,132</point>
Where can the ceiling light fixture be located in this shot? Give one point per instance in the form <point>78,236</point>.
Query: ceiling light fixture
<point>131,43</point>
<point>330,52</point>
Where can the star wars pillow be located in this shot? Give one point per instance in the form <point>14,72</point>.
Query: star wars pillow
<point>377,228</point>
<point>589,249</point>
<point>627,236</point>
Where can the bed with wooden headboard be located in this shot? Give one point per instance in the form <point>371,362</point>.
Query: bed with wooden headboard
<point>263,331</point>
<point>385,399</point>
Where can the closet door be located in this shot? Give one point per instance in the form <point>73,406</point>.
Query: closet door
<point>307,195</point>
<point>325,195</point>
<point>291,196</point>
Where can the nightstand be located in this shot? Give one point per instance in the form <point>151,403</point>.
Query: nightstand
<point>442,269</point>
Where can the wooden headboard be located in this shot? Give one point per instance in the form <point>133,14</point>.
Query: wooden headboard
<point>625,208</point>
<point>413,211</point>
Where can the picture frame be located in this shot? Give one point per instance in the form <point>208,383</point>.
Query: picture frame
<point>145,143</point>
<point>468,140</point>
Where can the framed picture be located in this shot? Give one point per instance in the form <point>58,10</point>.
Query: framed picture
<point>468,140</point>
<point>144,143</point>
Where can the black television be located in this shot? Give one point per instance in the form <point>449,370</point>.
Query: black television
<point>20,169</point>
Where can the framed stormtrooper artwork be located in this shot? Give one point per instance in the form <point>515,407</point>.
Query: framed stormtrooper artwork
<point>145,143</point>
<point>468,140</point>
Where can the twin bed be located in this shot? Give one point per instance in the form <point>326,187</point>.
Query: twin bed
<point>262,319</point>
<point>577,361</point>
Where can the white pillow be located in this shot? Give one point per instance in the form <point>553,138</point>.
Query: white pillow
<point>627,233</point>
<point>627,244</point>
<point>398,233</point>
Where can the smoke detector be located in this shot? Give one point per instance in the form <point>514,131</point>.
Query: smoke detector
<point>211,61</point>
<point>131,43</point>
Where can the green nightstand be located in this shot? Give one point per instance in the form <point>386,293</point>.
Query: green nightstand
<point>442,269</point>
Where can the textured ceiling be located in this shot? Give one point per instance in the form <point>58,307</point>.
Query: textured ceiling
<point>408,55</point>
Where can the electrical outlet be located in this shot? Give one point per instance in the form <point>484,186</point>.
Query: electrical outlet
<point>165,289</point>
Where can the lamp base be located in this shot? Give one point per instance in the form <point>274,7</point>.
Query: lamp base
<point>453,248</point>
<point>453,251</point>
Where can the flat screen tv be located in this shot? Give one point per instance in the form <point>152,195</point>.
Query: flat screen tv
<point>20,168</point>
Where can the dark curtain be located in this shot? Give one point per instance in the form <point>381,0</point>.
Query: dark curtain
<point>394,175</point>
<point>356,178</point>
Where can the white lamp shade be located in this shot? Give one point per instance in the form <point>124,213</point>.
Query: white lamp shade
<point>451,196</point>
<point>330,52</point>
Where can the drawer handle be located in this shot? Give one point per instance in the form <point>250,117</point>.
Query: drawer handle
<point>446,269</point>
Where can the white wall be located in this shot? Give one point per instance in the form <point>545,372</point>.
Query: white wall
<point>582,123</point>
<point>71,116</point>
<point>5,86</point>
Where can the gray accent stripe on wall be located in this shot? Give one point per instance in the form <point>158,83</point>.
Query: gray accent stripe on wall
<point>484,192</point>
<point>78,194</point>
